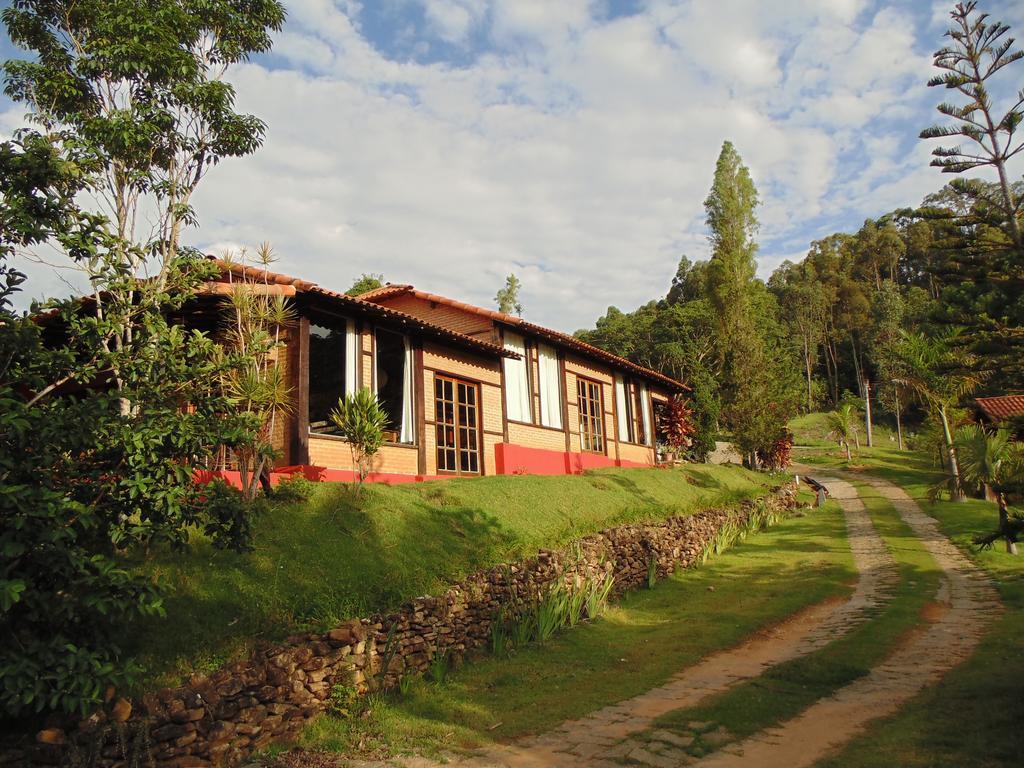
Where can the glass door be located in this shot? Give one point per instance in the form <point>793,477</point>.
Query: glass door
<point>457,413</point>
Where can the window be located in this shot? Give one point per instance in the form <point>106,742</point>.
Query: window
<point>393,369</point>
<point>517,380</point>
<point>624,411</point>
<point>591,415</point>
<point>645,415</point>
<point>332,372</point>
<point>457,415</point>
<point>550,387</point>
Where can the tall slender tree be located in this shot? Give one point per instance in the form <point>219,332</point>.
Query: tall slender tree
<point>732,223</point>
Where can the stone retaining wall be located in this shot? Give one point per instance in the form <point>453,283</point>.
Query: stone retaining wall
<point>222,718</point>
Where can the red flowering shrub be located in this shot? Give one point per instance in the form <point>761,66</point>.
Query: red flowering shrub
<point>778,455</point>
<point>676,423</point>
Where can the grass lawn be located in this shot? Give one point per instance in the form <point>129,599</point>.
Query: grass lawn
<point>787,689</point>
<point>973,717</point>
<point>812,429</point>
<point>638,644</point>
<point>326,559</point>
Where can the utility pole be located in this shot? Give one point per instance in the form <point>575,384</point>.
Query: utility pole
<point>867,409</point>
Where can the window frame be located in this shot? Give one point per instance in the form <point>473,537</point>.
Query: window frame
<point>527,361</point>
<point>587,435</point>
<point>409,361</point>
<point>350,334</point>
<point>477,426</point>
<point>559,395</point>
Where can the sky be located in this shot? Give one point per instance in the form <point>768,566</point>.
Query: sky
<point>448,143</point>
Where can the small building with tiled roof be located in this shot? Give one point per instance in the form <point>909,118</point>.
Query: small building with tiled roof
<point>469,391</point>
<point>1001,410</point>
<point>566,403</point>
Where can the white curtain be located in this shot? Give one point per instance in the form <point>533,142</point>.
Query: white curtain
<point>622,411</point>
<point>645,409</point>
<point>408,434</point>
<point>550,389</point>
<point>517,382</point>
<point>352,357</point>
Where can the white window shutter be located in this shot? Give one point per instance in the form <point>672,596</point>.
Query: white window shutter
<point>517,384</point>
<point>550,388</point>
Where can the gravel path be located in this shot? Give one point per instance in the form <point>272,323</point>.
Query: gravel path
<point>602,738</point>
<point>947,638</point>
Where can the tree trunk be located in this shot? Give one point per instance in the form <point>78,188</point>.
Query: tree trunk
<point>867,412</point>
<point>807,368</point>
<point>846,444</point>
<point>856,364</point>
<point>1004,524</point>
<point>899,423</point>
<point>954,467</point>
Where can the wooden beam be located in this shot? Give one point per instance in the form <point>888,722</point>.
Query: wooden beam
<point>420,406</point>
<point>300,437</point>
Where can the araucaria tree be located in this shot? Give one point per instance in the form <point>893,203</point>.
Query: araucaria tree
<point>978,51</point>
<point>130,110</point>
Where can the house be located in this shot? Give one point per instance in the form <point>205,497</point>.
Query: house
<point>469,391</point>
<point>1003,411</point>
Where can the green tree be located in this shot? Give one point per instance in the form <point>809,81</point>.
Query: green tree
<point>97,452</point>
<point>676,339</point>
<point>979,50</point>
<point>755,365</point>
<point>689,282</point>
<point>994,462</point>
<point>508,297</point>
<point>138,93</point>
<point>366,282</point>
<point>732,224</point>
<point>361,420</point>
<point>932,370</point>
<point>842,426</point>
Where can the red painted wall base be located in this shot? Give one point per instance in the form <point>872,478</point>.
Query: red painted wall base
<point>316,474</point>
<point>519,460</point>
<point>509,459</point>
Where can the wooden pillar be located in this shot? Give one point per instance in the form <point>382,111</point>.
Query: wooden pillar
<point>419,406</point>
<point>300,435</point>
<point>564,384</point>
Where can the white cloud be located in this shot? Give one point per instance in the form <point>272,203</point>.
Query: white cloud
<point>576,150</point>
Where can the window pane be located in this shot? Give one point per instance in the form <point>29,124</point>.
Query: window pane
<point>326,376</point>
<point>391,376</point>
<point>517,379</point>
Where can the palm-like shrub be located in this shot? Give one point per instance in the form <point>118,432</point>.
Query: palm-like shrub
<point>842,425</point>
<point>254,322</point>
<point>361,420</point>
<point>993,461</point>
<point>939,374</point>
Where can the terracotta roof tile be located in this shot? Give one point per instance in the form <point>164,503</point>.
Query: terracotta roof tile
<point>367,307</point>
<point>385,290</point>
<point>556,337</point>
<point>1003,407</point>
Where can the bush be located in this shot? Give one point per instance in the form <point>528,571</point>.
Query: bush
<point>87,476</point>
<point>361,420</point>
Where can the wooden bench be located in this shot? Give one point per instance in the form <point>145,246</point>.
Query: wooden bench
<point>819,489</point>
